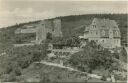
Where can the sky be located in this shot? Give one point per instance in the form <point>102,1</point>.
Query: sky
<point>20,11</point>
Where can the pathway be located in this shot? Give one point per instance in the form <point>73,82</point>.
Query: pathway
<point>69,68</point>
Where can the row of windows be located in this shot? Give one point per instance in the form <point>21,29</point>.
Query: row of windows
<point>115,33</point>
<point>104,41</point>
<point>115,41</point>
<point>94,26</point>
<point>61,53</point>
<point>94,32</point>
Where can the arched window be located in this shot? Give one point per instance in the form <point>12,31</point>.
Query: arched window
<point>116,33</point>
<point>94,26</point>
<point>103,32</point>
<point>96,32</point>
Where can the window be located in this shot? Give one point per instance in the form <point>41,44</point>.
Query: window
<point>114,41</point>
<point>94,26</point>
<point>116,33</point>
<point>103,41</point>
<point>91,32</point>
<point>96,32</point>
<point>53,29</point>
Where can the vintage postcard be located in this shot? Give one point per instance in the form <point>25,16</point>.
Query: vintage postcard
<point>63,41</point>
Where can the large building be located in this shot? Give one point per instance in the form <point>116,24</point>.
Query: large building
<point>43,30</point>
<point>103,31</point>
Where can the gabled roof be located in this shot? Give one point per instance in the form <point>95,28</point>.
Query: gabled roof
<point>105,23</point>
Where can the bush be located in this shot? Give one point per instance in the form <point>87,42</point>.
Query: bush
<point>92,56</point>
<point>25,55</point>
<point>9,77</point>
<point>21,57</point>
<point>17,71</point>
<point>7,69</point>
<point>123,55</point>
<point>45,78</point>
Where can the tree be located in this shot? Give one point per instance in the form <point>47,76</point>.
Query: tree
<point>18,58</point>
<point>123,55</point>
<point>92,56</point>
<point>49,35</point>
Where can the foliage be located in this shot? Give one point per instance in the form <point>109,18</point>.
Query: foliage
<point>8,37</point>
<point>49,36</point>
<point>123,55</point>
<point>24,38</point>
<point>71,24</point>
<point>92,56</point>
<point>70,27</point>
<point>21,57</point>
<point>70,41</point>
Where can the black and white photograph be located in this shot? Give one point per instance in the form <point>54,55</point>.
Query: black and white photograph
<point>63,41</point>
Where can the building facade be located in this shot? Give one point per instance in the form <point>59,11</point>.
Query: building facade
<point>103,31</point>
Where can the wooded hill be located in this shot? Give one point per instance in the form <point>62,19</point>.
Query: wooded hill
<point>71,26</point>
<point>22,57</point>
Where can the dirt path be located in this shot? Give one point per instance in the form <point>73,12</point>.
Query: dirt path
<point>69,68</point>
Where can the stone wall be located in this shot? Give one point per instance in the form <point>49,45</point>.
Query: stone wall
<point>41,32</point>
<point>48,26</point>
<point>25,31</point>
<point>57,28</point>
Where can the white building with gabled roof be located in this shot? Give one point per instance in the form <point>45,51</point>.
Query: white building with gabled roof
<point>104,32</point>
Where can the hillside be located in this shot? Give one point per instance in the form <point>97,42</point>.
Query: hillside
<point>71,26</point>
<point>8,37</point>
<point>17,64</point>
<point>21,64</point>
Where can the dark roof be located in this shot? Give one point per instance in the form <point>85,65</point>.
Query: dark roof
<point>105,23</point>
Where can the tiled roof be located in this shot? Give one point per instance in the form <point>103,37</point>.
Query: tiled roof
<point>105,23</point>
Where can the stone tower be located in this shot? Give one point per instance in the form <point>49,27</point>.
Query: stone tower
<point>41,32</point>
<point>57,28</point>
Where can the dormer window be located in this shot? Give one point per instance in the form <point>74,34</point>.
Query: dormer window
<point>116,33</point>
<point>94,26</point>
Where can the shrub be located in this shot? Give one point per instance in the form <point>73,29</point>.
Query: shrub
<point>17,71</point>
<point>21,57</point>
<point>92,56</point>
<point>25,55</point>
<point>9,77</point>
